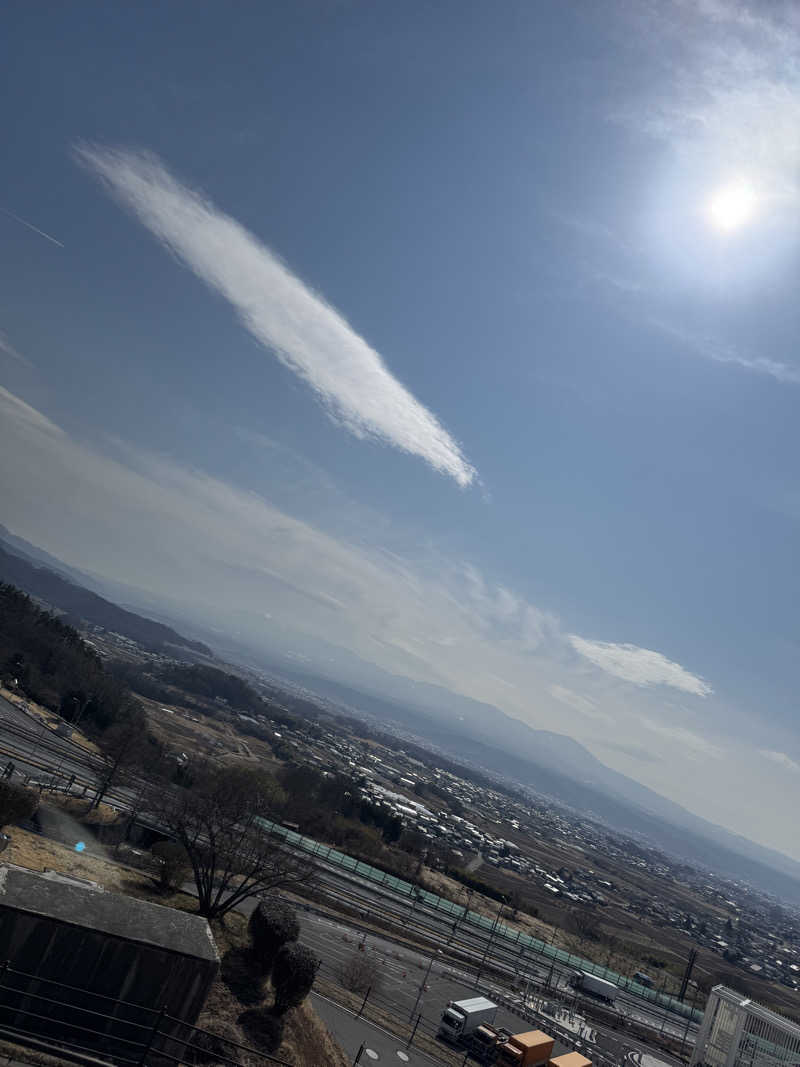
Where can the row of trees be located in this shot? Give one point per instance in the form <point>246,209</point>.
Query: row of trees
<point>315,801</point>
<point>172,683</point>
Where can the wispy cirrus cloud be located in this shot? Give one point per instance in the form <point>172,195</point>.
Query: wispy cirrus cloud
<point>722,352</point>
<point>640,666</point>
<point>732,90</point>
<point>280,311</point>
<point>694,744</point>
<point>720,95</point>
<point>781,759</point>
<point>579,702</point>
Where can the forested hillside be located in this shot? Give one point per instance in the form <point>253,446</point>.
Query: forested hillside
<point>52,665</point>
<point>83,604</point>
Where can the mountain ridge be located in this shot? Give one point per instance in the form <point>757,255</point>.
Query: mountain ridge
<point>65,595</point>
<point>599,788</point>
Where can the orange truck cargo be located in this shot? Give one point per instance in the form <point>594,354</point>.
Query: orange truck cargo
<point>570,1059</point>
<point>532,1049</point>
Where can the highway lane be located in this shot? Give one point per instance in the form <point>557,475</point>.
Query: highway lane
<point>415,982</point>
<point>477,943</point>
<point>351,1033</point>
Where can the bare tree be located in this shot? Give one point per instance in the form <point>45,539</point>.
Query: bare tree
<point>514,902</point>
<point>585,924</point>
<point>359,972</point>
<point>123,746</point>
<point>217,823</point>
<point>614,943</point>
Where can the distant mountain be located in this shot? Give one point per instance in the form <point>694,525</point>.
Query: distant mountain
<point>20,567</point>
<point>557,766</point>
<point>18,546</point>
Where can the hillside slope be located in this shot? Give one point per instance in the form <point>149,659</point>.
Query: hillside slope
<point>64,595</point>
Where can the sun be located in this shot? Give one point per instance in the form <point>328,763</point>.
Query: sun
<point>732,206</point>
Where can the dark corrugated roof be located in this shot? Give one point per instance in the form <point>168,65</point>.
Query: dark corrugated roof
<point>110,913</point>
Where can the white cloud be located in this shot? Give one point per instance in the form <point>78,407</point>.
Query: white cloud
<point>641,666</point>
<point>781,759</point>
<point>280,311</point>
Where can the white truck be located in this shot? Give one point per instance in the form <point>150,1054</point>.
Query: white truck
<point>462,1017</point>
<point>598,987</point>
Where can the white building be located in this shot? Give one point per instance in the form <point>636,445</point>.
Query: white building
<point>738,1032</point>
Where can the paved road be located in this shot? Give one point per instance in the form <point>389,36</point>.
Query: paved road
<point>352,1033</point>
<point>478,945</point>
<point>414,983</point>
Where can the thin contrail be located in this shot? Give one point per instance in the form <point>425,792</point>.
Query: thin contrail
<point>30,226</point>
<point>8,348</point>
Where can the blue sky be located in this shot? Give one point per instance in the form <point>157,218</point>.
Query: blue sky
<point>457,338</point>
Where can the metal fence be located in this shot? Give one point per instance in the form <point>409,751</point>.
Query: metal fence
<point>59,1018</point>
<point>510,963</point>
<point>498,930</point>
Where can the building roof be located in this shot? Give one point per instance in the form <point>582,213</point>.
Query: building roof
<point>65,901</point>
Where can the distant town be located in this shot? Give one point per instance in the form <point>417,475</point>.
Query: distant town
<point>572,872</point>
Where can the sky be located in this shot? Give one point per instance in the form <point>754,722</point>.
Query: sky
<point>456,340</point>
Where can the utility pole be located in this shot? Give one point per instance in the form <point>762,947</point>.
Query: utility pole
<point>459,919</point>
<point>423,983</point>
<point>689,1017</point>
<point>489,942</point>
<point>687,974</point>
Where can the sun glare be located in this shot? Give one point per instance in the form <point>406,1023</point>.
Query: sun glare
<point>732,206</point>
